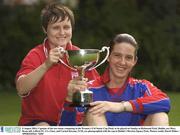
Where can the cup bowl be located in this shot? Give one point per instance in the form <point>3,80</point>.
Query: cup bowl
<point>83,58</point>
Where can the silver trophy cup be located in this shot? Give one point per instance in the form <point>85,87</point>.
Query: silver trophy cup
<point>81,61</point>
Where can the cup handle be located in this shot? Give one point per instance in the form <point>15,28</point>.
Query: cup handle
<point>64,51</point>
<point>107,54</point>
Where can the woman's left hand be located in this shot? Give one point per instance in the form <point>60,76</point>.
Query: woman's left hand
<point>100,107</point>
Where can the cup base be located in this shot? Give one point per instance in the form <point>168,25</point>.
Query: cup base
<point>80,105</point>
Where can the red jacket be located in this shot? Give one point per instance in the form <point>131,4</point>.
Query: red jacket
<point>45,101</point>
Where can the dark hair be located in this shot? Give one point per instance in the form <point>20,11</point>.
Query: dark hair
<point>127,38</point>
<point>55,11</point>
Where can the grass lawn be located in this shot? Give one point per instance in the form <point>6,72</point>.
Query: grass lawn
<point>174,116</point>
<point>10,108</point>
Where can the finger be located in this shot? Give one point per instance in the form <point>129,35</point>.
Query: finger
<point>76,79</point>
<point>80,78</point>
<point>54,54</point>
<point>82,83</point>
<point>55,50</point>
<point>79,82</point>
<point>82,88</point>
<point>54,59</point>
<point>95,103</point>
<point>85,79</point>
<point>98,111</point>
<point>78,87</point>
<point>61,50</point>
<point>95,108</point>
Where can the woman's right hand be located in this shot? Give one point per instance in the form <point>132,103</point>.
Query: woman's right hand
<point>54,55</point>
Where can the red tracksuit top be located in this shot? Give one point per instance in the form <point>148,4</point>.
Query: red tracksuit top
<point>45,101</point>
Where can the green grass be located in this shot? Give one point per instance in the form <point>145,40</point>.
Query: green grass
<point>10,108</point>
<point>174,116</point>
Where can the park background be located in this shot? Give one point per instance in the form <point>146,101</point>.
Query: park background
<point>154,23</point>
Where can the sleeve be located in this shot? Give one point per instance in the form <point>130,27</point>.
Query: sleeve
<point>152,101</point>
<point>71,116</point>
<point>68,115</point>
<point>29,63</point>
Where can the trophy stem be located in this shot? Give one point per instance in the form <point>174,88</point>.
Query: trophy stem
<point>81,71</point>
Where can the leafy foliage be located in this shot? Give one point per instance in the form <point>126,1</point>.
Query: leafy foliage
<point>154,24</point>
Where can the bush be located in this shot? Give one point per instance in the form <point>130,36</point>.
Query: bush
<point>154,24</point>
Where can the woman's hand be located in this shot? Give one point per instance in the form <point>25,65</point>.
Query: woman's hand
<point>100,107</point>
<point>54,55</point>
<point>74,85</point>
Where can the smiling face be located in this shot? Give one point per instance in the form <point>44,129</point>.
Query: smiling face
<point>59,33</point>
<point>121,60</point>
<point>57,23</point>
